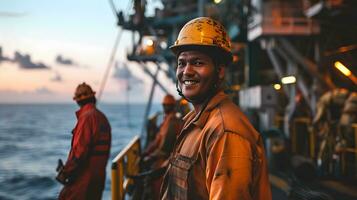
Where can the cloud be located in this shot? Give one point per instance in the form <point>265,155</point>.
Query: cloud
<point>64,61</point>
<point>39,91</point>
<point>11,14</point>
<point>123,73</point>
<point>39,95</point>
<point>43,90</point>
<point>3,58</point>
<point>24,61</point>
<point>57,78</point>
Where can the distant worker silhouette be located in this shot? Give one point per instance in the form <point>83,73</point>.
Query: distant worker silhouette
<point>218,154</point>
<point>335,113</point>
<point>162,145</point>
<point>158,151</point>
<point>83,175</point>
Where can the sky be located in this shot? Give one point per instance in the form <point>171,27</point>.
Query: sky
<point>49,47</point>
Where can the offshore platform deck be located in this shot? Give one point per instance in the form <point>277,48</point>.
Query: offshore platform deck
<point>293,74</point>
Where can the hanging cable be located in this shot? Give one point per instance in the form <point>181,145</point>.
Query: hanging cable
<point>128,88</point>
<point>110,64</point>
<point>113,7</point>
<point>111,60</point>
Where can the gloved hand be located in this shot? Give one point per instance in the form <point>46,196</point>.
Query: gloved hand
<point>59,165</point>
<point>61,177</point>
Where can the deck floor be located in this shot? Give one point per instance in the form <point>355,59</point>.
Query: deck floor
<point>337,189</point>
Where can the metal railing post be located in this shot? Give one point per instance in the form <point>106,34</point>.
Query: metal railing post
<point>114,184</point>
<point>120,184</point>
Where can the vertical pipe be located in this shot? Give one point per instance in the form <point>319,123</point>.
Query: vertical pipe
<point>293,136</point>
<point>114,184</point>
<point>355,132</point>
<point>120,179</point>
<point>252,64</point>
<point>312,143</point>
<point>201,8</point>
<point>313,92</point>
<point>289,110</point>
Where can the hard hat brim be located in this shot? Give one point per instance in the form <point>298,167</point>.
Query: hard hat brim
<point>178,49</point>
<point>83,97</point>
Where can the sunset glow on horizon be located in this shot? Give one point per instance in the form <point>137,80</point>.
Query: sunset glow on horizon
<point>61,48</point>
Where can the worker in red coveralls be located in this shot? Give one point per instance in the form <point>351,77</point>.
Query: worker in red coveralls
<point>83,175</point>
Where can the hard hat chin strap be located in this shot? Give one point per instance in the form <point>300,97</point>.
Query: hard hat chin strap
<point>179,90</point>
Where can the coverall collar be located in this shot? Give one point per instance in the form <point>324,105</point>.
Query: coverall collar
<point>84,109</point>
<point>200,119</point>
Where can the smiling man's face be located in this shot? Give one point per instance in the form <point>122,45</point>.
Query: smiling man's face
<point>196,75</point>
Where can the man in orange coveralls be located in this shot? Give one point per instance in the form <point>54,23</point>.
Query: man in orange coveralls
<point>161,147</point>
<point>218,154</point>
<point>83,175</point>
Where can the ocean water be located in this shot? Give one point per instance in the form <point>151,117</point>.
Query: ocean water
<point>34,137</point>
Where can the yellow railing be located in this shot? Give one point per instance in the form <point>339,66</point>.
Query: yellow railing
<point>301,130</point>
<point>279,122</point>
<point>125,163</point>
<point>308,134</point>
<point>309,137</point>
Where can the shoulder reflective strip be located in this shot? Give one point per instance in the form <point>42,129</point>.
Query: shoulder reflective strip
<point>101,148</point>
<point>104,136</point>
<point>102,142</point>
<point>104,128</point>
<point>100,153</point>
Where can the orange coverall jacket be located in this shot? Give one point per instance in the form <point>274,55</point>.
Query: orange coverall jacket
<point>166,137</point>
<point>218,155</point>
<point>88,156</point>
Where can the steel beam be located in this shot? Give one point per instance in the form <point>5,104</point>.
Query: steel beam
<point>300,81</point>
<point>153,76</point>
<point>277,67</point>
<point>307,64</point>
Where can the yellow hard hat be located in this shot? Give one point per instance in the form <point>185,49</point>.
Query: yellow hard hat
<point>83,91</point>
<point>183,101</point>
<point>149,50</point>
<point>203,32</point>
<point>168,99</point>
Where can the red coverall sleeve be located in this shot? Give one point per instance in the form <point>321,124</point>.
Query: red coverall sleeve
<point>81,146</point>
<point>229,168</point>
